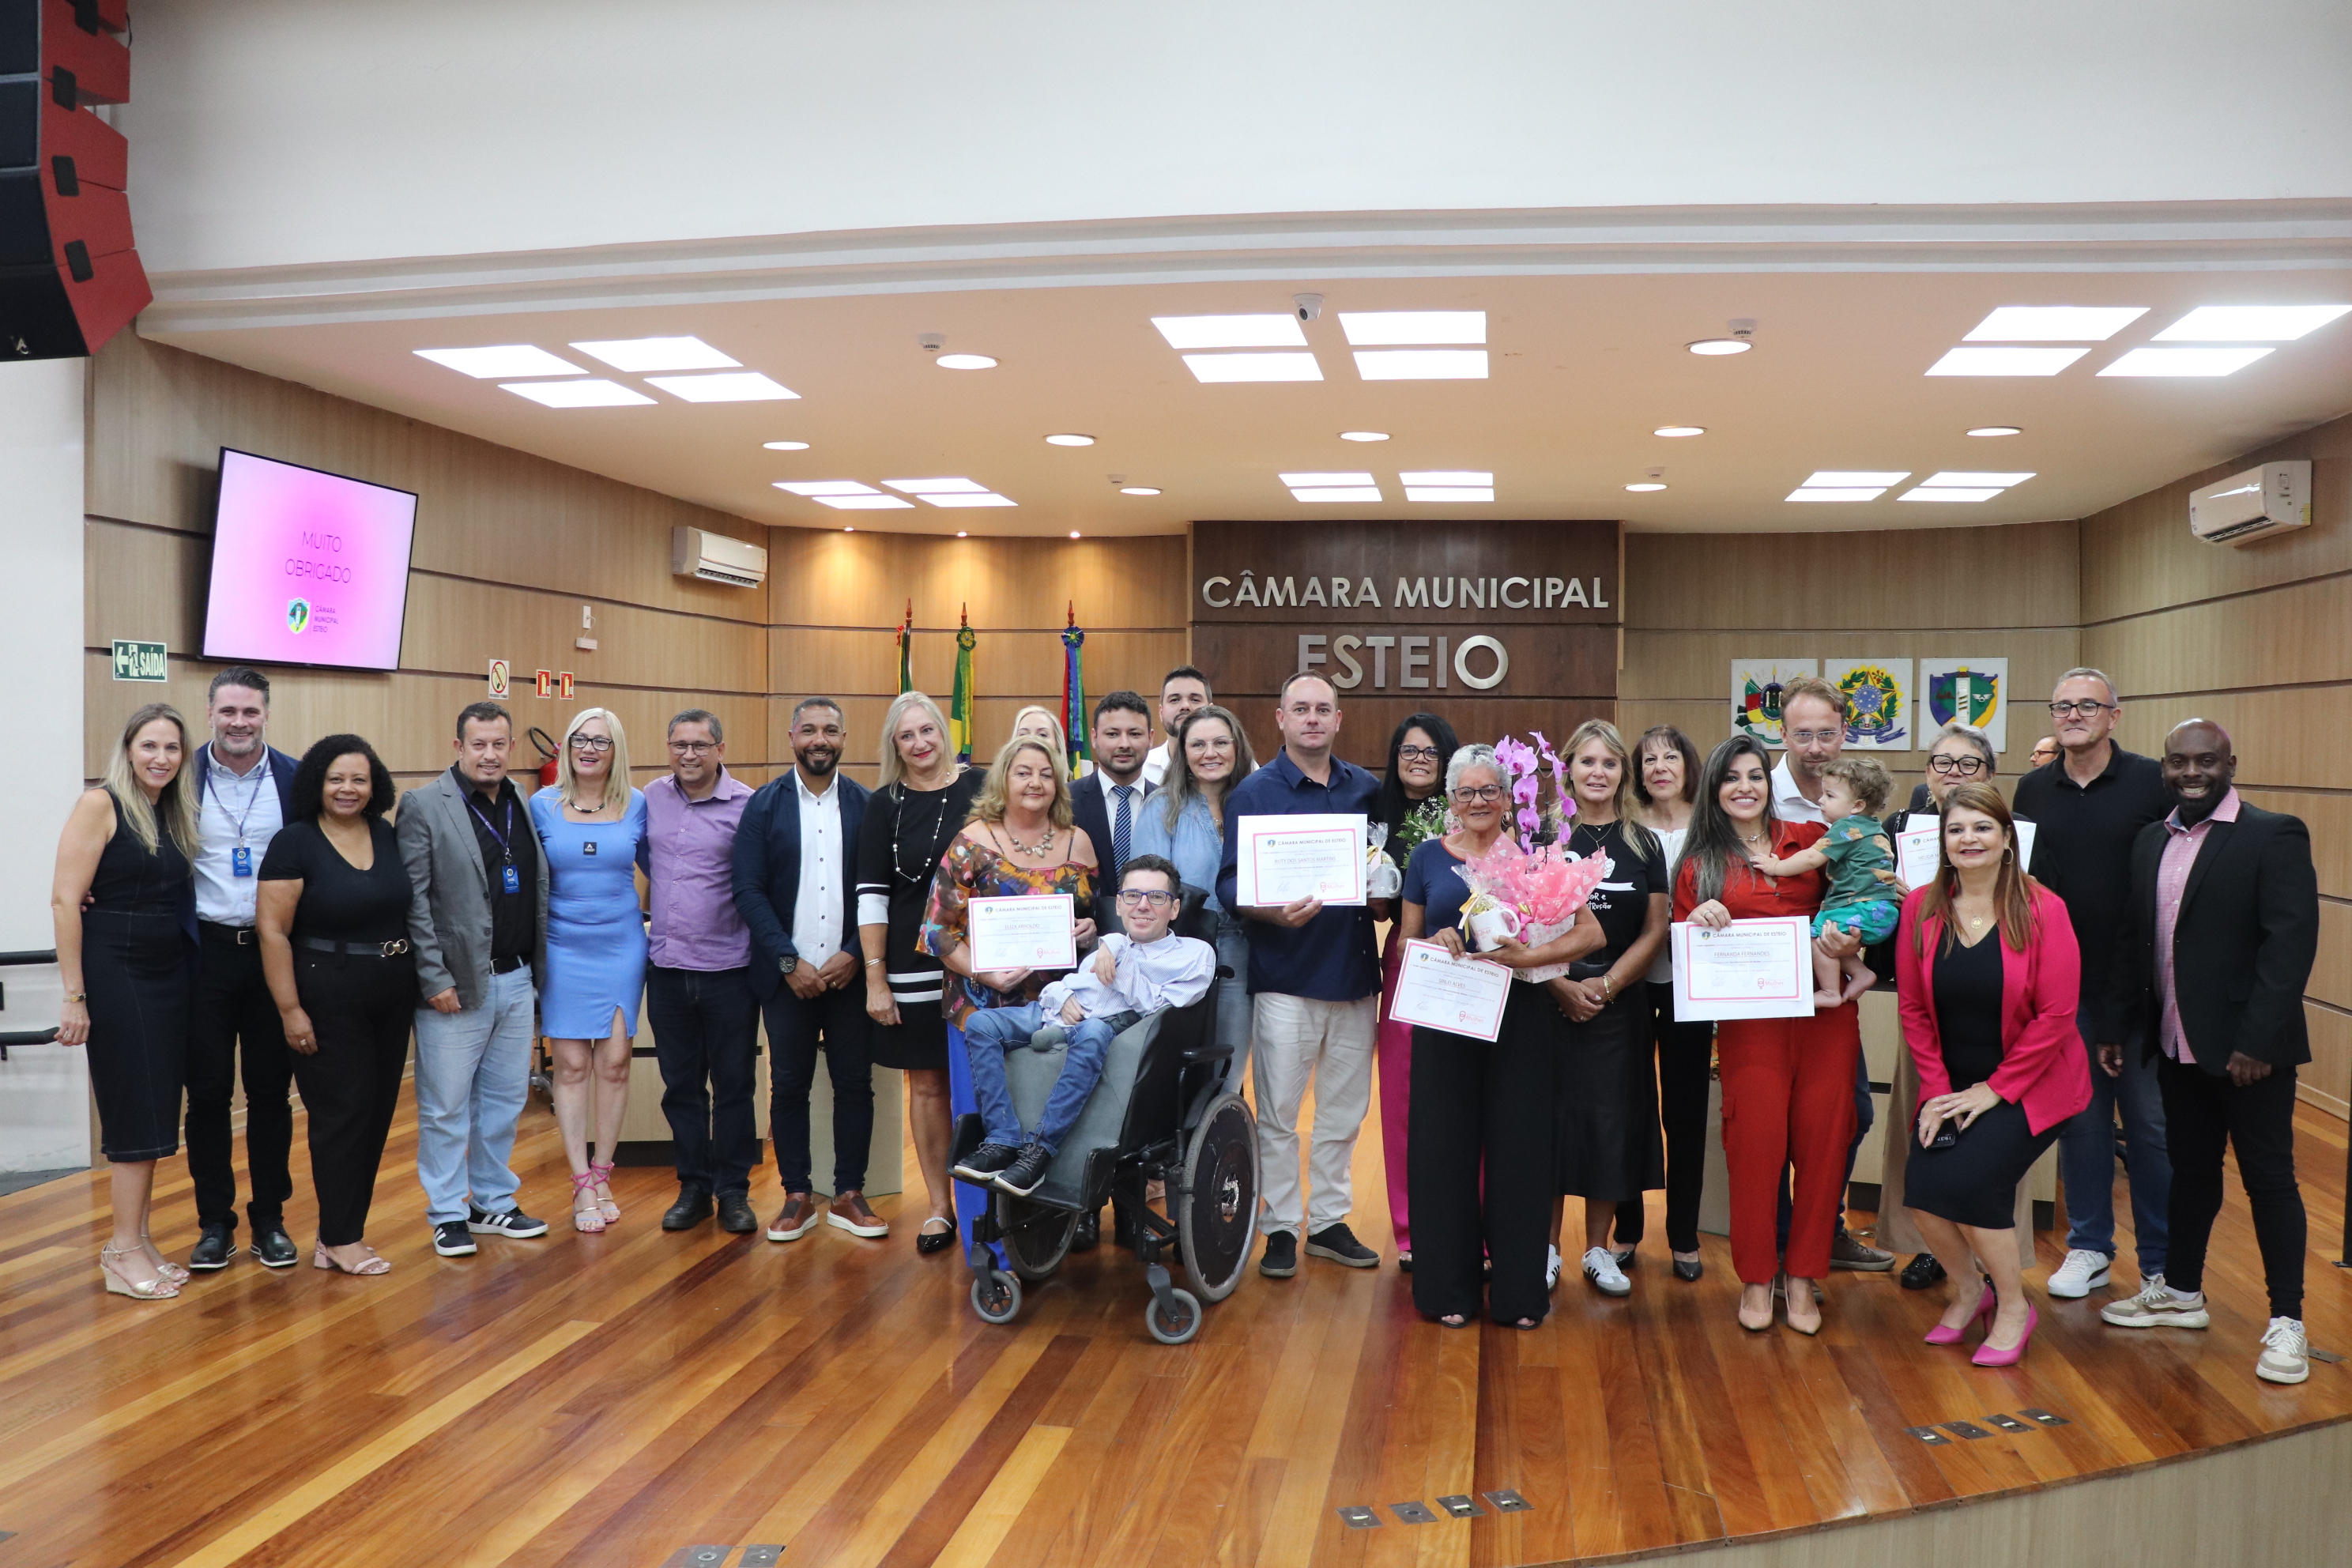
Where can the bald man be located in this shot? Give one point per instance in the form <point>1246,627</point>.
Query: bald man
<point>2217,943</point>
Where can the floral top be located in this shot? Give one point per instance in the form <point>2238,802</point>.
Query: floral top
<point>972,870</point>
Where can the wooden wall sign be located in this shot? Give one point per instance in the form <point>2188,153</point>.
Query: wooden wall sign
<point>1501,627</point>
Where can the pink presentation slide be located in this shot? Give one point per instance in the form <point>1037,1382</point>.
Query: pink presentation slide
<point>307,567</point>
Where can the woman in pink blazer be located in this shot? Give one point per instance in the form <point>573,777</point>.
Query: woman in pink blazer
<point>1988,973</point>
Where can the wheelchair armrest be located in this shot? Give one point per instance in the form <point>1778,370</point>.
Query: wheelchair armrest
<point>1208,1053</point>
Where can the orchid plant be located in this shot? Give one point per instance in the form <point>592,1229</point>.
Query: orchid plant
<point>1531,871</point>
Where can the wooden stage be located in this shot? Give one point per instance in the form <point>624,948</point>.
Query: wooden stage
<point>613,1399</point>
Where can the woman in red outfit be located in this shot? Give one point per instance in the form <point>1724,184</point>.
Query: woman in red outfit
<point>1788,1083</point>
<point>1987,973</point>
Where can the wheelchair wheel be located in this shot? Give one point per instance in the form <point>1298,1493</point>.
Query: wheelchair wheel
<point>1174,1328</point>
<point>1036,1235</point>
<point>997,1298</point>
<point>1219,1221</point>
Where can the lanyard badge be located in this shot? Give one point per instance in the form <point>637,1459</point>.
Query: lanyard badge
<point>510,880</point>
<point>240,861</point>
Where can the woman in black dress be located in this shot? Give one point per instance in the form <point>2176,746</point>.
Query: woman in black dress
<point>128,962</point>
<point>335,902</point>
<point>1609,1149</point>
<point>924,798</point>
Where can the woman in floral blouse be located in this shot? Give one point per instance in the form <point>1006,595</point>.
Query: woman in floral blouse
<point>1413,804</point>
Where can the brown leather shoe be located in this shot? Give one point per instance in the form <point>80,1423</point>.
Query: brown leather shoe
<point>799,1217</point>
<point>849,1212</point>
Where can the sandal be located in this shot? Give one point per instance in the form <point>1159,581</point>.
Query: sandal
<point>373,1263</point>
<point>591,1218</point>
<point>160,1288</point>
<point>164,1266</point>
<point>602,1171</point>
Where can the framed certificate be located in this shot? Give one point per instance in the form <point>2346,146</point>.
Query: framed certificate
<point>1282,859</point>
<point>1460,995</point>
<point>1036,931</point>
<point>1749,969</point>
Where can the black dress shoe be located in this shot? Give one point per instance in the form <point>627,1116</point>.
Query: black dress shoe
<point>1087,1234</point>
<point>693,1206</point>
<point>214,1249</point>
<point>1922,1271</point>
<point>275,1248</point>
<point>735,1216</point>
<point>1688,1270</point>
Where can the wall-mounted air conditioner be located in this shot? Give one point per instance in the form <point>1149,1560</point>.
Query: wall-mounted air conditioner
<point>2254,504</point>
<point>716,558</point>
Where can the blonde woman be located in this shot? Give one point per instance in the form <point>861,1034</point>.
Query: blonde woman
<point>914,814</point>
<point>126,959</point>
<point>1036,723</point>
<point>591,829</point>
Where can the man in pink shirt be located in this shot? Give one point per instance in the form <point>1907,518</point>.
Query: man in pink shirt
<point>2217,943</point>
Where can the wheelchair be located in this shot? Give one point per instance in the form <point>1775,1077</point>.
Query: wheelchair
<point>1166,1109</point>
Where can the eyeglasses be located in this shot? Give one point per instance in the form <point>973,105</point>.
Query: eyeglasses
<point>597,743</point>
<point>1814,737</point>
<point>2086,709</point>
<point>1416,754</point>
<point>1469,794</point>
<point>1137,897</point>
<point>1967,767</point>
<point>691,748</point>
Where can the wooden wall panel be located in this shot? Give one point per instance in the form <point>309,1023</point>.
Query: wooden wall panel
<point>2297,633</point>
<point>2329,817</point>
<point>827,578</point>
<point>1955,579</point>
<point>1026,667</point>
<point>2324,1081</point>
<point>2285,739</point>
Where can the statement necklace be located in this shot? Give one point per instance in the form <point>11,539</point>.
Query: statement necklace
<point>1045,846</point>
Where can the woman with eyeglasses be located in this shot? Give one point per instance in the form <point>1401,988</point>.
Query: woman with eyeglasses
<point>591,827</point>
<point>1413,806</point>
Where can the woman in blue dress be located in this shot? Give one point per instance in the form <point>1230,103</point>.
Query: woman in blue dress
<point>590,825</point>
<point>1184,821</point>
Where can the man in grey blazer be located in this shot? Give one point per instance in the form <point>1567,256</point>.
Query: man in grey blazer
<point>467,840</point>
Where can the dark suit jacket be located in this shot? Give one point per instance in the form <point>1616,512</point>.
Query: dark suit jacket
<point>1090,801</point>
<point>2241,949</point>
<point>282,773</point>
<point>768,872</point>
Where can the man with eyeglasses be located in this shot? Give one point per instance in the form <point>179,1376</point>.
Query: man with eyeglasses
<point>698,994</point>
<point>2088,806</point>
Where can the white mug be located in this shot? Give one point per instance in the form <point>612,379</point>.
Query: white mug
<point>1489,927</point>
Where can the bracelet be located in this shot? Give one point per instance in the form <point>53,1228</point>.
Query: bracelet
<point>77,996</point>
<point>872,961</point>
<point>1608,988</point>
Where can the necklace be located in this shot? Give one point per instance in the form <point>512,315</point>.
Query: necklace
<point>1044,847</point>
<point>930,855</point>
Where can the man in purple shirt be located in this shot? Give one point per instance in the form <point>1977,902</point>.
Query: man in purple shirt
<point>705,1018</point>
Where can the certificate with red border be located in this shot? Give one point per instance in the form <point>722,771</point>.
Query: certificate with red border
<point>1034,930</point>
<point>1459,996</point>
<point>1749,969</point>
<point>1282,859</point>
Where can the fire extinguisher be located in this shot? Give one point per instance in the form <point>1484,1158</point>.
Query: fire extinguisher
<point>546,744</point>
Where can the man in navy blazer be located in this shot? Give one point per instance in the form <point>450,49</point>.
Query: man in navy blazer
<point>243,797</point>
<point>795,886</point>
<point>1112,793</point>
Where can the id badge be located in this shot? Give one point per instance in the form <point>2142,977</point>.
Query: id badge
<point>240,861</point>
<point>510,879</point>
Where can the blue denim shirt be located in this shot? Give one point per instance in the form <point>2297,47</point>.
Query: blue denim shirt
<point>1331,958</point>
<point>1194,844</point>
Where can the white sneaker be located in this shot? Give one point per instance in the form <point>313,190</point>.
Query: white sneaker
<point>1600,1268</point>
<point>1551,1270</point>
<point>2283,1358</point>
<point>2083,1272</point>
<point>2158,1305</point>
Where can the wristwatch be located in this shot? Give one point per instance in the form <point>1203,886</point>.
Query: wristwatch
<point>787,964</point>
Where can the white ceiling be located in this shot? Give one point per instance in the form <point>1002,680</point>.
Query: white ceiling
<point>1584,367</point>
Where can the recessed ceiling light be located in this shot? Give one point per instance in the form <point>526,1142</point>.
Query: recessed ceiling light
<point>2185,361</point>
<point>1254,367</point>
<point>1073,533</point>
<point>1366,327</point>
<point>1069,440</point>
<point>985,498</point>
<point>744,387</point>
<point>595,393</point>
<point>1846,478</point>
<point>1139,490</point>
<point>1449,492</point>
<point>786,445</point>
<point>639,355</point>
<point>2250,323</point>
<point>502,359</point>
<point>1422,365</point>
<point>1837,493</point>
<point>2005,361</point>
<point>1679,430</point>
<point>1949,492</point>
<point>1231,332</point>
<point>1447,476</point>
<point>1338,493</point>
<point>1720,346</point>
<point>1363,435</point>
<point>1645,485</point>
<point>827,488</point>
<point>864,503</point>
<point>965,362</point>
<point>1998,430</point>
<point>937,487</point>
<point>1311,480</point>
<point>1964,479</point>
<point>2055,323</point>
<point>963,533</point>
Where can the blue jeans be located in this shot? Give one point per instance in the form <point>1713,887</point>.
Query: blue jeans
<point>2087,1159</point>
<point>992,1031</point>
<point>472,1071</point>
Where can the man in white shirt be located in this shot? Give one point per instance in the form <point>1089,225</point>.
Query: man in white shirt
<point>1139,972</point>
<point>794,889</point>
<point>242,787</point>
<point>1185,692</point>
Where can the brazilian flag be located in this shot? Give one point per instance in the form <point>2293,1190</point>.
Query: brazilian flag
<point>959,704</point>
<point>906,649</point>
<point>1074,689</point>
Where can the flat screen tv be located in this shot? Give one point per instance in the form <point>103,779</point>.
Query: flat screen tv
<point>309,567</point>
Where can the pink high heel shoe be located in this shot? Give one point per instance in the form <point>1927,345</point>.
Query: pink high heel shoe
<point>1988,1356</point>
<point>1941,1335</point>
<point>602,1171</point>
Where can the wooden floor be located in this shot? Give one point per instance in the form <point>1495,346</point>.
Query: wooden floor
<point>615,1399</point>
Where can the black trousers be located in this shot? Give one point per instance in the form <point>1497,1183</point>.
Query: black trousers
<point>707,1037</point>
<point>233,1008</point>
<point>361,1010</point>
<point>1686,1072</point>
<point>2202,1113</point>
<point>795,1028</point>
<point>1484,1110</point>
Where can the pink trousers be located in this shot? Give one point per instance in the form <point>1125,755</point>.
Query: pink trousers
<point>1394,1057</point>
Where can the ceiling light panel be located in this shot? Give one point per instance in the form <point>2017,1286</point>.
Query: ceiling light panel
<point>1371,328</point>
<point>501,360</point>
<point>1254,367</point>
<point>965,362</point>
<point>1847,478</point>
<point>2250,323</point>
<point>1338,493</point>
<point>1070,439</point>
<point>1363,435</point>
<point>959,497</point>
<point>1998,430</point>
<point>877,502</point>
<point>2005,361</point>
<point>639,355</point>
<point>2055,323</point>
<point>1954,493</point>
<point>1422,365</point>
<point>937,487</point>
<point>1447,476</point>
<point>1312,481</point>
<point>1231,332</point>
<point>744,387</point>
<point>1449,492</point>
<point>1678,431</point>
<point>1139,490</point>
<point>2185,361</point>
<point>1645,485</point>
<point>1966,478</point>
<point>827,488</point>
<point>786,445</point>
<point>1720,346</point>
<point>1837,493</point>
<point>596,393</point>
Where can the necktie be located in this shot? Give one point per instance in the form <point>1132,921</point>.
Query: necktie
<point>1120,836</point>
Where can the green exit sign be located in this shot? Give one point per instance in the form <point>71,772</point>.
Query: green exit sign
<point>140,660</point>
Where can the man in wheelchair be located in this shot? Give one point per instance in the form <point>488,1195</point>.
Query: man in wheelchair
<point>1146,969</point>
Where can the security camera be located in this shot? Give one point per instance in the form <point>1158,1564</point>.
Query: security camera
<point>1310,305</point>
